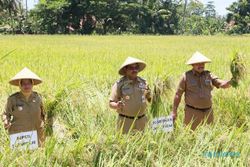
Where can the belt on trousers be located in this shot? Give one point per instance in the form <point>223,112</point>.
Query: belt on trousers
<point>129,117</point>
<point>201,109</point>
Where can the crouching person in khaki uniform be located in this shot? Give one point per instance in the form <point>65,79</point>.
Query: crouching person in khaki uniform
<point>129,97</point>
<point>197,84</point>
<point>24,110</point>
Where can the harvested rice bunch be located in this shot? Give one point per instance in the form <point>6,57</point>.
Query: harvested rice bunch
<point>162,87</point>
<point>237,68</point>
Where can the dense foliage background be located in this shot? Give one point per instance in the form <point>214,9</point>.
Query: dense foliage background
<point>123,16</point>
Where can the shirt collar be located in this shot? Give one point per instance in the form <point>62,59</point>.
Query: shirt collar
<point>131,81</point>
<point>197,74</point>
<point>23,97</point>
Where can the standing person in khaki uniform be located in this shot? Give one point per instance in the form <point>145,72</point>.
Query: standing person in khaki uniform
<point>197,85</point>
<point>24,110</point>
<point>129,96</point>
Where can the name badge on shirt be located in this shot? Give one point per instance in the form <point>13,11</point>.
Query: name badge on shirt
<point>207,81</point>
<point>193,82</point>
<point>127,90</point>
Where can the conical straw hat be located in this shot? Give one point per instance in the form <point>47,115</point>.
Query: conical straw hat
<point>25,74</point>
<point>198,58</point>
<point>129,61</point>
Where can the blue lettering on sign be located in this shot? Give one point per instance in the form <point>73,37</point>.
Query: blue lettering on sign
<point>214,154</point>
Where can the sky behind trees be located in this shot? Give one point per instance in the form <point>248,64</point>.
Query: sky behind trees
<point>219,4</point>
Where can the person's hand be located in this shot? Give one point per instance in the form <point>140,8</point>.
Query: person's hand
<point>148,94</point>
<point>120,105</point>
<point>174,115</point>
<point>226,84</point>
<point>6,124</point>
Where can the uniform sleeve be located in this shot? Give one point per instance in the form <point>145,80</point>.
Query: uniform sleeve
<point>182,85</point>
<point>41,130</point>
<point>215,80</point>
<point>148,94</point>
<point>8,110</point>
<point>43,114</point>
<point>115,93</point>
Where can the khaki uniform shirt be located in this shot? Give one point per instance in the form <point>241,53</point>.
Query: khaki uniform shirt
<point>25,115</point>
<point>197,88</point>
<point>134,94</point>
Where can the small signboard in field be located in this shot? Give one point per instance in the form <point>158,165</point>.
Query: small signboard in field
<point>24,140</point>
<point>163,123</point>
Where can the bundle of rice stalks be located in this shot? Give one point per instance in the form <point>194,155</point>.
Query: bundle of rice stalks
<point>162,88</point>
<point>237,68</point>
<point>50,108</point>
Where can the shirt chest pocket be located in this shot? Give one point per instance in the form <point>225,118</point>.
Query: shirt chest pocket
<point>30,107</point>
<point>208,84</point>
<point>127,91</point>
<point>192,85</point>
<point>18,110</point>
<point>35,105</point>
<point>19,106</point>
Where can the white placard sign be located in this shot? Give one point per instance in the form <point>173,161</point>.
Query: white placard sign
<point>163,123</point>
<point>24,140</point>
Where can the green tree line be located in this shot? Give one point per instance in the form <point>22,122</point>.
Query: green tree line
<point>123,16</point>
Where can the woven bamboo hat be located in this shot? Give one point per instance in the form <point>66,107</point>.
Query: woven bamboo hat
<point>132,60</point>
<point>25,74</point>
<point>198,58</point>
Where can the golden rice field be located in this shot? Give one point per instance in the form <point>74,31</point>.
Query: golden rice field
<point>78,72</point>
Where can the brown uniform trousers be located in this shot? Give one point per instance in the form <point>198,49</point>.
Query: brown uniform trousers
<point>196,117</point>
<point>198,98</point>
<point>133,125</point>
<point>135,96</point>
<point>26,115</point>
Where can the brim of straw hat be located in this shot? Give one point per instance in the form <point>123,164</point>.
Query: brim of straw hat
<point>25,74</point>
<point>130,61</point>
